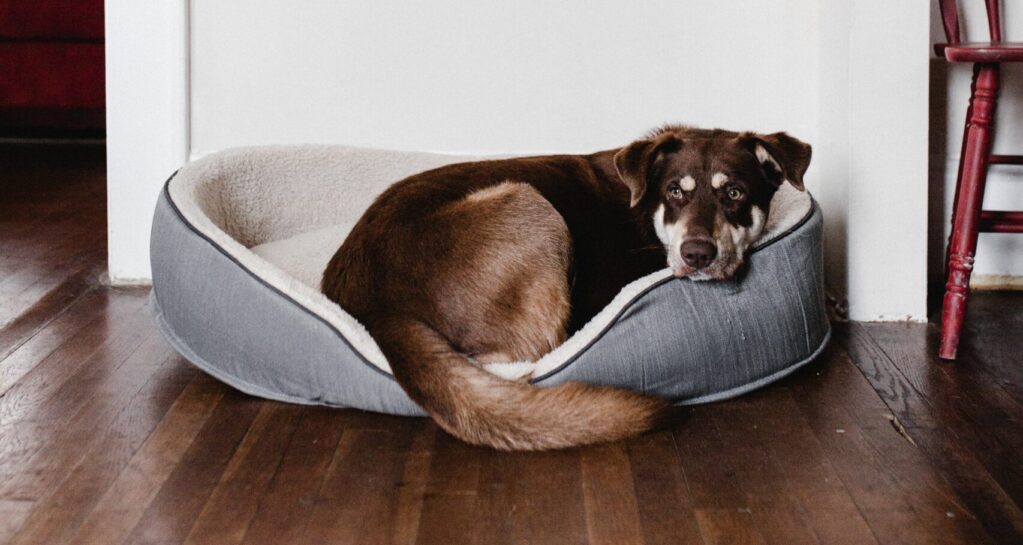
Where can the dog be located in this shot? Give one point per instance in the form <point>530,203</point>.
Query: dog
<point>474,264</point>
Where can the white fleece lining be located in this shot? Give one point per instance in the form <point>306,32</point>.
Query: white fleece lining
<point>282,212</point>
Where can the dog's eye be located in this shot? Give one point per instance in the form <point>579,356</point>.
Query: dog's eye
<point>735,194</point>
<point>675,191</point>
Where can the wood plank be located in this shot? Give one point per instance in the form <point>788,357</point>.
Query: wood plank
<point>52,230</point>
<point>533,497</point>
<point>36,379</point>
<point>58,448</point>
<point>48,308</point>
<point>775,503</point>
<point>816,488</point>
<point>48,285</point>
<point>939,422</point>
<point>173,511</point>
<point>27,244</point>
<point>47,272</point>
<point>502,510</point>
<point>58,514</point>
<point>50,249</point>
<point>414,483</point>
<point>869,454</point>
<point>123,504</point>
<point>28,223</point>
<point>19,360</point>
<point>989,316</point>
<point>728,527</point>
<point>783,526</point>
<point>760,481</point>
<point>48,431</point>
<point>552,482</point>
<point>233,504</point>
<point>358,500</point>
<point>455,468</point>
<point>74,251</point>
<point>963,388</point>
<point>662,495</point>
<point>609,495</point>
<point>454,504</point>
<point>285,505</point>
<point>711,475</point>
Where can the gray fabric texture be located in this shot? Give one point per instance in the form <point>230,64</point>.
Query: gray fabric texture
<point>251,336</point>
<point>688,341</point>
<point>702,341</point>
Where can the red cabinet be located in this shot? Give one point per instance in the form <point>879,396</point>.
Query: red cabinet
<point>51,67</point>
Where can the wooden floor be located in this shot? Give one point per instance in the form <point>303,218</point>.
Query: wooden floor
<point>107,436</point>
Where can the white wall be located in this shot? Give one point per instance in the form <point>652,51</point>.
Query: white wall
<point>147,122</point>
<point>534,76</point>
<point>887,159</point>
<point>494,76</point>
<point>999,256</point>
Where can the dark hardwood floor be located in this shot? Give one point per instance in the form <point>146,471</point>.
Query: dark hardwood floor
<point>107,436</point>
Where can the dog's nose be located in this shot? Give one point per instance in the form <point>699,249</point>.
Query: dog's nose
<point>698,253</point>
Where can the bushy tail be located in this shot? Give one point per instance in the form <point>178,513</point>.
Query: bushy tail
<point>482,409</point>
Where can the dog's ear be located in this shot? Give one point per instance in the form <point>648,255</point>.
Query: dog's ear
<point>782,156</point>
<point>637,162</point>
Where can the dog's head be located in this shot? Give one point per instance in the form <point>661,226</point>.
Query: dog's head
<point>708,192</point>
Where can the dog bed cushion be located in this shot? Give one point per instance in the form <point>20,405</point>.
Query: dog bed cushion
<point>241,237</point>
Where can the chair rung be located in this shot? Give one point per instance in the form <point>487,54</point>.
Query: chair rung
<point>1006,160</point>
<point>1001,222</point>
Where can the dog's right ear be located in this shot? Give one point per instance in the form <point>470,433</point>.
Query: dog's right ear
<point>784,157</point>
<point>637,162</point>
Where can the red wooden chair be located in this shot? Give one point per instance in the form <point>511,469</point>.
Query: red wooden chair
<point>968,217</point>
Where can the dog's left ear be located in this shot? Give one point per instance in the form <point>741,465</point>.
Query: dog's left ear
<point>781,155</point>
<point>639,161</point>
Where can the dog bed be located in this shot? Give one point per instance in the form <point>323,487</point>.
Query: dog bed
<point>240,239</point>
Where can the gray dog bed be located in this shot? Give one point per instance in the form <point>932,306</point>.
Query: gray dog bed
<point>241,237</point>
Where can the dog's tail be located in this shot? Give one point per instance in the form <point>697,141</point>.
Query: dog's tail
<point>480,408</point>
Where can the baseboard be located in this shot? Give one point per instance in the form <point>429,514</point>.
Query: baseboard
<point>119,282</point>
<point>996,282</point>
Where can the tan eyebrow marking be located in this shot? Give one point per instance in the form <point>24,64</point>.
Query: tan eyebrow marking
<point>718,180</point>
<point>687,183</point>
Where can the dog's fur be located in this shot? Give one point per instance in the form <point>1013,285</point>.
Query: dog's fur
<point>498,261</point>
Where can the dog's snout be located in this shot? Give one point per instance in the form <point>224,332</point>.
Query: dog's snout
<point>698,253</point>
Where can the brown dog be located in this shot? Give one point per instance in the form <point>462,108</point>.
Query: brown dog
<point>498,261</point>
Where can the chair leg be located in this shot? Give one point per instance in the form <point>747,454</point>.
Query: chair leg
<point>968,202</point>
<point>959,173</point>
